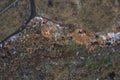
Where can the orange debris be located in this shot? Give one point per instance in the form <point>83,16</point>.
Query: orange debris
<point>47,33</point>
<point>81,37</point>
<point>101,41</point>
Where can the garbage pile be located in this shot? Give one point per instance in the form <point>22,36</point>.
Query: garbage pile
<point>41,29</point>
<point>106,40</point>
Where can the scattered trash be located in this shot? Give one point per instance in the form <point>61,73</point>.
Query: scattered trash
<point>95,43</point>
<point>1,45</point>
<point>7,45</point>
<point>118,35</point>
<point>13,38</point>
<point>38,18</point>
<point>111,35</point>
<point>81,37</point>
<point>12,51</point>
<point>56,36</point>
<point>103,37</point>
<point>53,31</point>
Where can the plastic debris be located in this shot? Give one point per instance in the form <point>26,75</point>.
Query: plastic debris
<point>13,38</point>
<point>54,32</point>
<point>39,18</point>
<point>1,44</point>
<point>12,51</point>
<point>7,45</point>
<point>112,35</point>
<point>118,35</point>
<point>103,37</point>
<point>56,36</point>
